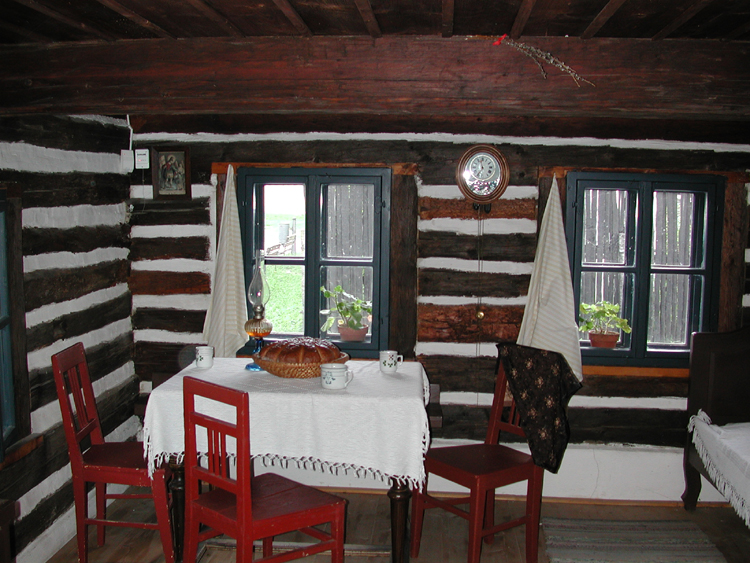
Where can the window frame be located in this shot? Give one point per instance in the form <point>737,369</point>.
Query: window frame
<point>249,185</point>
<point>10,195</point>
<point>635,351</point>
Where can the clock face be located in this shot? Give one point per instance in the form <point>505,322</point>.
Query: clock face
<point>482,173</point>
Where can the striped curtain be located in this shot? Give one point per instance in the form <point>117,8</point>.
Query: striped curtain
<point>224,327</point>
<point>549,320</point>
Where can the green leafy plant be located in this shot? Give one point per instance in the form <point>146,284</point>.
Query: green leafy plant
<point>601,317</point>
<point>351,309</point>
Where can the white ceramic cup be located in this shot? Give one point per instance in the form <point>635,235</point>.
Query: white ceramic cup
<point>390,360</point>
<point>335,376</point>
<point>204,356</point>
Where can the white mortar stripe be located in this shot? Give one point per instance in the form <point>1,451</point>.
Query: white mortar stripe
<point>174,265</point>
<point>653,144</point>
<point>452,192</point>
<point>489,266</point>
<point>31,158</point>
<point>42,358</point>
<point>47,416</point>
<point>187,302</point>
<point>47,313</point>
<point>75,216</point>
<point>55,260</point>
<point>469,226</point>
<point>173,231</point>
<point>746,300</point>
<point>146,191</point>
<point>650,403</point>
<point>152,335</point>
<point>449,300</point>
<point>455,349</point>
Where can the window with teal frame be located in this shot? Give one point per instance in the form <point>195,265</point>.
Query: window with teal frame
<point>7,391</point>
<point>650,244</point>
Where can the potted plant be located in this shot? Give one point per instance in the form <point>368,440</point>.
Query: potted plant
<point>352,312</point>
<point>603,324</point>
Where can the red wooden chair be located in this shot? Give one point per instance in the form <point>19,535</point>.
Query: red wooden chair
<point>482,468</point>
<point>243,506</point>
<point>93,460</point>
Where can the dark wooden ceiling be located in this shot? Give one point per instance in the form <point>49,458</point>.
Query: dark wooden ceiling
<point>666,69</point>
<point>51,21</point>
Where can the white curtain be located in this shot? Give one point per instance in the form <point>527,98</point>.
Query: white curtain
<point>550,320</point>
<point>224,328</point>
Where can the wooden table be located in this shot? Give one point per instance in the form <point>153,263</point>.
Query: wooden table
<point>377,425</point>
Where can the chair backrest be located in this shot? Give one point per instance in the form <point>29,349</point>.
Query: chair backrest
<point>218,434</point>
<point>720,375</point>
<point>504,416</point>
<point>80,417</point>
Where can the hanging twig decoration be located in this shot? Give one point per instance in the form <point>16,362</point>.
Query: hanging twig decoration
<point>539,56</point>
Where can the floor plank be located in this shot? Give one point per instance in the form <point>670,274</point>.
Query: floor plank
<point>445,535</point>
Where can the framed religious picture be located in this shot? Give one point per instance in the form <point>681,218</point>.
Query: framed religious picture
<point>170,169</point>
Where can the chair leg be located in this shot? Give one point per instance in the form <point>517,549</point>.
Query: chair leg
<point>81,509</point>
<point>101,510</point>
<point>533,514</point>
<point>476,517</point>
<point>489,515</point>
<point>245,550</point>
<point>190,544</point>
<point>417,520</point>
<point>161,503</point>
<point>268,547</point>
<point>337,531</point>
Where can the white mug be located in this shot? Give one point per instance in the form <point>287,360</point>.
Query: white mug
<point>335,376</point>
<point>204,356</point>
<point>390,360</point>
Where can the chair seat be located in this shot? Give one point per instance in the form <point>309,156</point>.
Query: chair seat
<point>123,455</point>
<point>475,460</point>
<point>273,497</point>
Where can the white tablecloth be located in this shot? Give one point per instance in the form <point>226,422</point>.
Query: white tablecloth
<point>378,425</point>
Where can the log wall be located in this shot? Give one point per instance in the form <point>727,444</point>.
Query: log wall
<point>74,240</point>
<point>450,283</point>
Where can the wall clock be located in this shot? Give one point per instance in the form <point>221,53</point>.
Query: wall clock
<point>482,174</point>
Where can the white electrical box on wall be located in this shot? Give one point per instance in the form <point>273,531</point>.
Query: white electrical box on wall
<point>141,159</point>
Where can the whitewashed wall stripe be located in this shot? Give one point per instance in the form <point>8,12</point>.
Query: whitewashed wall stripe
<point>469,226</point>
<point>53,311</point>
<point>74,216</point>
<point>55,260</point>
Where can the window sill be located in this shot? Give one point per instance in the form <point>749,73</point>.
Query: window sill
<point>21,449</point>
<point>634,371</point>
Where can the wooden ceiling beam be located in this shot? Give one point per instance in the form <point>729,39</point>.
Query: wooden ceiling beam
<point>216,17</point>
<point>57,16</point>
<point>368,16</point>
<point>136,18</point>
<point>294,18</point>
<point>449,9</point>
<point>23,32</point>
<point>393,76</point>
<point>738,32</point>
<point>683,18</point>
<point>521,18</point>
<point>602,17</point>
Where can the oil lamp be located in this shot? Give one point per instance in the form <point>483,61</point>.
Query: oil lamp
<point>257,295</point>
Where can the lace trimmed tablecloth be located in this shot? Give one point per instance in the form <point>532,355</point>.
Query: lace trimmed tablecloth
<point>377,426</point>
<point>725,452</point>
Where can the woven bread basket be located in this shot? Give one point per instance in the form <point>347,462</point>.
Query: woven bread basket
<point>296,371</point>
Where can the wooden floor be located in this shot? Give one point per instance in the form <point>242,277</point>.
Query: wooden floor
<point>444,539</point>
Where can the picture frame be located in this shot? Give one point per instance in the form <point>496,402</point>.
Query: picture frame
<point>170,172</point>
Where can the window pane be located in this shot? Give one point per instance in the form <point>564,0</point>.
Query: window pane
<point>669,306</point>
<point>605,217</point>
<point>286,306</point>
<point>607,286</point>
<point>356,281</point>
<point>350,213</point>
<point>284,214</point>
<point>673,229</point>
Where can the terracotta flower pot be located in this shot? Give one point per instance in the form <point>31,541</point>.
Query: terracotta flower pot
<point>604,339</point>
<point>352,334</point>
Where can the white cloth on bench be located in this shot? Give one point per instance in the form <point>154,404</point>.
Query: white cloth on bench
<point>725,452</point>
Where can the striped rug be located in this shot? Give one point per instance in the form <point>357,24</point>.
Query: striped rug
<point>588,541</point>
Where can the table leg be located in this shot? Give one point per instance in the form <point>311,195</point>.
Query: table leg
<point>177,488</point>
<point>399,494</point>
